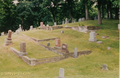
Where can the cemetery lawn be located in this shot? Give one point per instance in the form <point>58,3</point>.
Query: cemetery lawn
<point>85,66</point>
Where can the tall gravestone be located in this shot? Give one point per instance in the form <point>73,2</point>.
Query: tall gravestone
<point>118,26</point>
<point>61,73</point>
<point>8,40</point>
<point>66,21</point>
<point>63,22</point>
<point>57,43</point>
<point>20,28</point>
<point>23,48</point>
<point>55,23</point>
<point>31,27</point>
<point>75,53</point>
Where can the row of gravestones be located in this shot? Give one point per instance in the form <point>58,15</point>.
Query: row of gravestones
<point>61,71</point>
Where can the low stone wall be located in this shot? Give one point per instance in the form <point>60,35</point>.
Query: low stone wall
<point>51,49</point>
<point>18,53</point>
<point>78,53</point>
<point>49,60</point>
<point>29,61</point>
<point>48,39</point>
<point>68,27</point>
<point>49,27</point>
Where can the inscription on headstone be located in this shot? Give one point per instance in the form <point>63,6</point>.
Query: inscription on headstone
<point>92,36</point>
<point>22,47</point>
<point>64,48</point>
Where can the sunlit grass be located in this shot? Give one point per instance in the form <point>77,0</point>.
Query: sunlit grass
<point>85,66</point>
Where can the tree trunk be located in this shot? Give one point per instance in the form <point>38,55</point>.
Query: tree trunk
<point>103,11</point>
<point>108,11</point>
<point>86,11</point>
<point>99,15</point>
<point>70,8</point>
<point>71,17</point>
<point>116,13</point>
<point>22,23</point>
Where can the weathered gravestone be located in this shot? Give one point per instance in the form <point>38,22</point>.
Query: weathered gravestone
<point>64,48</point>
<point>2,34</point>
<point>75,53</point>
<point>63,22</point>
<point>8,40</point>
<point>108,48</point>
<point>61,73</point>
<point>92,33</point>
<point>62,31</point>
<point>23,48</point>
<point>41,23</point>
<point>20,28</point>
<point>66,21</point>
<point>48,44</point>
<point>104,67</point>
<point>118,26</point>
<point>99,42</point>
<point>31,27</point>
<point>55,23</point>
<point>57,43</point>
<point>92,36</point>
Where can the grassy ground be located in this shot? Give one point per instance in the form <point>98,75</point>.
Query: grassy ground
<point>85,66</point>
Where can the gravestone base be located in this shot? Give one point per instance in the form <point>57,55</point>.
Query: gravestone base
<point>8,42</point>
<point>92,40</point>
<point>22,54</point>
<point>57,47</point>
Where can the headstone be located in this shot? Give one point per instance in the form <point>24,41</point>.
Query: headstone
<point>105,67</point>
<point>47,25</point>
<point>99,42</point>
<point>108,48</point>
<point>66,21</point>
<point>63,22</point>
<point>41,23</point>
<point>48,44</point>
<point>61,73</point>
<point>8,40</point>
<point>118,26</point>
<point>57,42</point>
<point>55,23</point>
<point>2,34</point>
<point>17,32</point>
<point>75,53</point>
<point>64,48</point>
<point>20,28</point>
<point>22,47</point>
<point>51,29</point>
<point>31,27</point>
<point>62,31</point>
<point>66,26</point>
<point>92,36</point>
